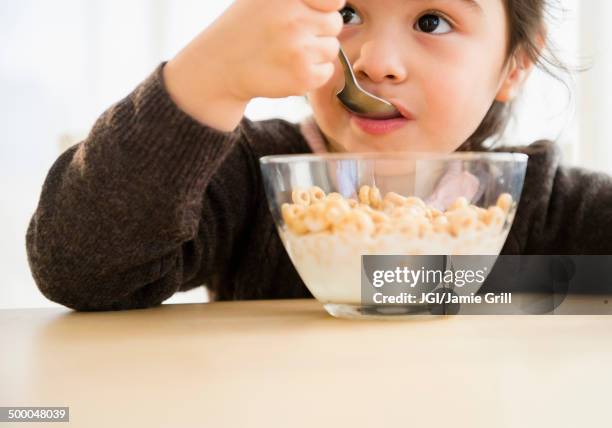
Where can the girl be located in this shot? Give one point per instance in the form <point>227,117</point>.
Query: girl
<point>165,194</point>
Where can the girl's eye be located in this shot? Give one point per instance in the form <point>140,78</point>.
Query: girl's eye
<point>433,24</point>
<point>350,16</point>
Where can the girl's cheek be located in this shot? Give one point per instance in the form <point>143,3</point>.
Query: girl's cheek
<point>326,94</point>
<point>321,106</point>
<point>442,126</point>
<point>322,111</point>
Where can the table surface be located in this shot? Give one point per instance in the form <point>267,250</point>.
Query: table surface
<point>288,363</point>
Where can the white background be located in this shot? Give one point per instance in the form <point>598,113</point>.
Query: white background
<point>63,62</point>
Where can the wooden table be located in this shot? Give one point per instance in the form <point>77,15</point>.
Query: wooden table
<point>289,364</point>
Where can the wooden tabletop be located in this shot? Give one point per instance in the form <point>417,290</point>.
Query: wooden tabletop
<point>289,364</point>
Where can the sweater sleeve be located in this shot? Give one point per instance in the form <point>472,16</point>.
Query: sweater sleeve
<point>576,218</point>
<point>146,206</point>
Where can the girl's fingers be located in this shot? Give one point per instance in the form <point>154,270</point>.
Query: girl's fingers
<point>327,24</point>
<point>320,74</point>
<point>325,5</point>
<point>325,50</point>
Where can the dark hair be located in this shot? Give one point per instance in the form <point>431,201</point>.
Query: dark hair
<point>526,30</point>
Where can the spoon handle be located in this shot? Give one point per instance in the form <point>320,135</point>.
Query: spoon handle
<point>349,76</point>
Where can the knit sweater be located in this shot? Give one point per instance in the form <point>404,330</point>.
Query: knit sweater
<point>153,202</point>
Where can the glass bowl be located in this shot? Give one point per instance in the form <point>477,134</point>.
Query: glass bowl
<point>332,209</point>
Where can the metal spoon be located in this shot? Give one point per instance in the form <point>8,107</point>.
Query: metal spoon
<point>358,100</point>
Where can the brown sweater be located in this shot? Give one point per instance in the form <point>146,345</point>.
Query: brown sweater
<point>152,203</point>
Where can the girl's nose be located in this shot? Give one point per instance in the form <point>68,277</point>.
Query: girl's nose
<point>379,61</point>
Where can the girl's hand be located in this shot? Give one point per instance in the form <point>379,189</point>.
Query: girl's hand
<point>257,48</point>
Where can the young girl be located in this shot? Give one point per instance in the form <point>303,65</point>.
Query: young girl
<point>165,194</point>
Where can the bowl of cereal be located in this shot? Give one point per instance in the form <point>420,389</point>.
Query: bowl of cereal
<point>332,210</point>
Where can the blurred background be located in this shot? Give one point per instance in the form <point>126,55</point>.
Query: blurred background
<point>63,62</point>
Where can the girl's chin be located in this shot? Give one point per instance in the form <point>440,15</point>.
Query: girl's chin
<point>388,137</point>
<point>355,144</point>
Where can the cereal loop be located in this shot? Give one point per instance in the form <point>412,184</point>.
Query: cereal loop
<point>481,213</point>
<point>495,216</point>
<point>334,197</point>
<point>335,210</point>
<point>364,195</point>
<point>414,201</point>
<point>462,220</point>
<point>316,194</point>
<point>291,212</point>
<point>436,213</point>
<point>357,222</point>
<point>375,198</point>
<point>315,218</point>
<point>458,204</point>
<point>379,217</point>
<point>395,199</point>
<point>301,197</point>
<point>505,202</point>
<point>293,215</point>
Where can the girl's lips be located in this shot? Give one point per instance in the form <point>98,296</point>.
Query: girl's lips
<point>379,126</point>
<point>383,126</point>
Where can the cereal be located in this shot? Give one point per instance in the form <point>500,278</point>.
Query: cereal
<point>495,216</point>
<point>335,209</point>
<point>356,222</point>
<point>505,202</point>
<point>383,228</point>
<point>294,217</point>
<point>353,203</point>
<point>315,218</point>
<point>441,224</point>
<point>326,235</point>
<point>373,215</point>
<point>301,197</point>
<point>379,217</point>
<point>435,213</point>
<point>462,220</point>
<point>458,204</point>
<point>316,194</point>
<point>291,212</point>
<point>370,196</point>
<point>334,197</point>
<point>375,198</point>
<point>364,194</point>
<point>394,199</point>
<point>481,213</point>
<point>406,211</point>
<point>414,201</point>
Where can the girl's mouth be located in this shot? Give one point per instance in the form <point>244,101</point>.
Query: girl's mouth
<point>382,126</point>
<point>379,126</point>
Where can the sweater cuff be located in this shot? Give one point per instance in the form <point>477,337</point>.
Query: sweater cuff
<point>167,142</point>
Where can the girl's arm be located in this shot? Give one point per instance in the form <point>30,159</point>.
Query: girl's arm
<point>150,201</point>
<point>153,200</point>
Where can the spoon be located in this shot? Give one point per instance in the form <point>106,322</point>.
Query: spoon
<point>358,100</point>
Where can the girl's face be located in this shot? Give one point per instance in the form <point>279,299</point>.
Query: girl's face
<point>441,62</point>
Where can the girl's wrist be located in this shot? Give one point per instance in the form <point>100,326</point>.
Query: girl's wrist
<point>198,86</point>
